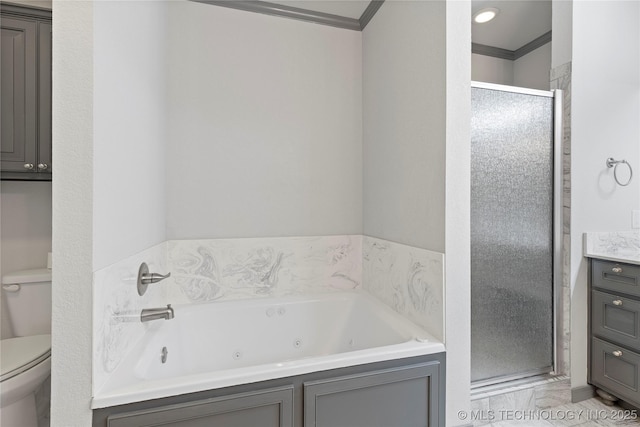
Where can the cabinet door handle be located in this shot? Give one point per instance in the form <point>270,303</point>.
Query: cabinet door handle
<point>28,166</point>
<point>617,270</point>
<point>617,353</point>
<point>42,166</point>
<point>617,302</point>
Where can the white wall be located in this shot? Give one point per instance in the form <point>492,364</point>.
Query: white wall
<point>404,124</point>
<point>458,212</point>
<point>25,230</point>
<point>129,128</point>
<point>72,214</point>
<point>605,123</point>
<point>416,133</point>
<point>529,71</point>
<point>108,191</point>
<point>491,70</point>
<point>532,70</point>
<point>562,30</point>
<point>265,126</point>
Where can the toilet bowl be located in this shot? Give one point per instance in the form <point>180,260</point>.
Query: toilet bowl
<point>25,360</point>
<point>25,363</point>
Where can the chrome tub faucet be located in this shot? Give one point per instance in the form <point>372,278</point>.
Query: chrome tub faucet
<point>148,314</point>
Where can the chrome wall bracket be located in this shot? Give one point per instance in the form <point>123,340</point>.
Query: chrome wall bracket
<point>145,278</point>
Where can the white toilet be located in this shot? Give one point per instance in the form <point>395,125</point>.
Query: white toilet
<point>26,359</point>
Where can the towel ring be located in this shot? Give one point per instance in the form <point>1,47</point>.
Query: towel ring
<point>611,163</point>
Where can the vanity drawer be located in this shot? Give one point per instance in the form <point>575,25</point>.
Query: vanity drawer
<point>615,318</point>
<point>616,276</point>
<point>616,370</point>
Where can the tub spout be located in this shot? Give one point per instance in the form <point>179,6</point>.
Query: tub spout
<point>148,314</point>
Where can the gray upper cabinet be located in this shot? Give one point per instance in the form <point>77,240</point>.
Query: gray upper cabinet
<point>25,61</point>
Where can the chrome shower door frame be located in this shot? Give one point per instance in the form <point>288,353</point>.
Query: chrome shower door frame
<point>557,227</point>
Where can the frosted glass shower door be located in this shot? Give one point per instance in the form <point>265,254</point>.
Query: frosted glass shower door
<point>511,235</point>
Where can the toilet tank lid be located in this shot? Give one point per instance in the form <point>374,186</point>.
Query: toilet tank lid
<point>27,276</point>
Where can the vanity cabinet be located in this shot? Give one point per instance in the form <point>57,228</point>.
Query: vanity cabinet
<point>25,73</point>
<point>404,392</point>
<point>615,329</point>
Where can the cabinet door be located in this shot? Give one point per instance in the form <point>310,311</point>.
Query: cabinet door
<point>616,277</point>
<point>44,98</point>
<point>405,396</point>
<point>616,370</point>
<point>18,135</point>
<point>266,408</point>
<point>615,318</point>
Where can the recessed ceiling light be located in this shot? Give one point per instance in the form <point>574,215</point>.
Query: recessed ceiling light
<point>485,15</point>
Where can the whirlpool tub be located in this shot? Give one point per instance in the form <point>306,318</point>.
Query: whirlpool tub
<point>220,344</point>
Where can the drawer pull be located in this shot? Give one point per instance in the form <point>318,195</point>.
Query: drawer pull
<point>617,302</point>
<point>617,353</point>
<point>617,270</point>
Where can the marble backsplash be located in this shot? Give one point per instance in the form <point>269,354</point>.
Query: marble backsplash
<point>208,270</point>
<point>117,307</point>
<point>409,280</point>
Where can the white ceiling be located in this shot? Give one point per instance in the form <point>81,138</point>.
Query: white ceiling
<point>518,23</point>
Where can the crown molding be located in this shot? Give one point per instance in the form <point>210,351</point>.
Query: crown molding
<point>273,9</point>
<point>369,13</point>
<point>511,55</point>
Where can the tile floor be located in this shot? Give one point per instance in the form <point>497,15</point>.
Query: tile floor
<point>542,402</point>
<point>590,412</point>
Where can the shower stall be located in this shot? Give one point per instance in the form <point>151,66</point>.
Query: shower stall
<point>515,231</point>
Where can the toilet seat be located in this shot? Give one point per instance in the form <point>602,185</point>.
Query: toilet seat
<point>20,354</point>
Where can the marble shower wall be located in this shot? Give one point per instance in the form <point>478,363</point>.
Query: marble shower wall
<point>560,78</point>
<point>409,280</point>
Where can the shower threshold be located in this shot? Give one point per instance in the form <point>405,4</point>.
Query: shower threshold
<point>501,385</point>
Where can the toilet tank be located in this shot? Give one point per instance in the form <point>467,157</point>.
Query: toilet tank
<point>27,294</point>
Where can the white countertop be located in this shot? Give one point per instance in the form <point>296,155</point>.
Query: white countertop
<point>618,246</point>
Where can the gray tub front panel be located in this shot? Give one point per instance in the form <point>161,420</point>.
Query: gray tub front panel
<point>268,408</point>
<point>404,396</point>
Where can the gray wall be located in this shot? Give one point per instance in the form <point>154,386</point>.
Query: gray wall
<point>265,126</point>
<point>129,129</point>
<point>25,218</point>
<point>404,124</point>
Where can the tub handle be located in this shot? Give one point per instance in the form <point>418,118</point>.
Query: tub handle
<point>12,288</point>
<point>145,278</point>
